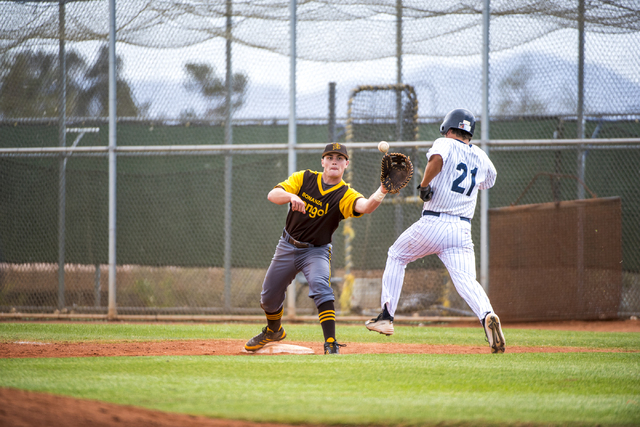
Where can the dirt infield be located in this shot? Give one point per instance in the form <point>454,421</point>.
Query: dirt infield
<point>19,408</point>
<point>23,408</point>
<point>235,348</point>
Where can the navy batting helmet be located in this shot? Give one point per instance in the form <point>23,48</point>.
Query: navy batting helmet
<point>459,119</point>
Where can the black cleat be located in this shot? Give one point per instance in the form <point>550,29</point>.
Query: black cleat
<point>265,337</point>
<point>332,347</point>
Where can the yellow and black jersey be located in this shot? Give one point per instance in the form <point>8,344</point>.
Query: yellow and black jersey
<point>324,208</point>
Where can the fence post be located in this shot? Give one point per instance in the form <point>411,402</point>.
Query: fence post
<point>112,313</point>
<point>484,195</point>
<point>63,160</point>
<point>228,166</point>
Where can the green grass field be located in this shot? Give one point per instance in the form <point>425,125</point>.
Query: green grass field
<point>387,389</point>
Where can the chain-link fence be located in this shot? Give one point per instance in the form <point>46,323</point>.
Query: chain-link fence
<point>171,228</point>
<point>219,72</point>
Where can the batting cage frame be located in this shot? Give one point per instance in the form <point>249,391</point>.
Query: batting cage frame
<point>372,115</point>
<point>400,115</point>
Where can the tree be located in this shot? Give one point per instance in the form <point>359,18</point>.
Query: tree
<point>95,98</point>
<point>202,79</point>
<point>30,86</point>
<point>30,82</point>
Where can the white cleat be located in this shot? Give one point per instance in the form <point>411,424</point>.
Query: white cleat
<point>494,333</point>
<point>380,324</point>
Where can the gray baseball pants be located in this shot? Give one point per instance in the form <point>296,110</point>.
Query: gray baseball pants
<point>287,262</point>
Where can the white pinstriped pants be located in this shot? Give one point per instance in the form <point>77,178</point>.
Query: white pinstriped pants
<point>450,238</point>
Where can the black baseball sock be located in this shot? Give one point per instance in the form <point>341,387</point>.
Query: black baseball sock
<point>327,317</point>
<point>386,314</point>
<point>274,320</point>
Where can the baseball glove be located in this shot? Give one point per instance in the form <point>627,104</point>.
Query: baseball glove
<point>396,172</point>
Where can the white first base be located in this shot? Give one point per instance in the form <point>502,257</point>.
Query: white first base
<point>278,348</point>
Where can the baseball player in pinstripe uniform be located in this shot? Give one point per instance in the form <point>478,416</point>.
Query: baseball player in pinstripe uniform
<point>455,172</point>
<point>318,202</point>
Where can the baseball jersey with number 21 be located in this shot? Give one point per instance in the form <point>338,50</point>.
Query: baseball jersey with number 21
<point>465,170</point>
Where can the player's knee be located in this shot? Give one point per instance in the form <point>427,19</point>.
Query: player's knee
<point>318,283</point>
<point>270,306</point>
<point>321,299</point>
<point>394,256</point>
<point>320,291</point>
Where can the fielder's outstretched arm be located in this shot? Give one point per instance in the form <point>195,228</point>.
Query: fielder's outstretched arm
<point>366,206</point>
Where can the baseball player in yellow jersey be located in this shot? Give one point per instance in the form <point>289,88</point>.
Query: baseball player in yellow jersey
<point>318,201</point>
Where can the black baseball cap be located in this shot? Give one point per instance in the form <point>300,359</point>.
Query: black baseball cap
<point>335,147</point>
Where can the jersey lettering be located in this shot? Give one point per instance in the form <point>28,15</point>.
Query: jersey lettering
<point>311,199</point>
<point>456,184</point>
<point>313,211</point>
<point>474,171</point>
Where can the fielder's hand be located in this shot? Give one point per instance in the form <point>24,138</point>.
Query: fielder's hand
<point>425,192</point>
<point>297,204</point>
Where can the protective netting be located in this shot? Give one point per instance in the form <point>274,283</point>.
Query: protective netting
<point>173,24</point>
<point>171,228</point>
<point>177,62</point>
<point>432,45</point>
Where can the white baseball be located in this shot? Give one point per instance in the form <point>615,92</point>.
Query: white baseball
<point>383,146</point>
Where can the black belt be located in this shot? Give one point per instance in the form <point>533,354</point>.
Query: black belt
<point>301,245</point>
<point>433,213</point>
